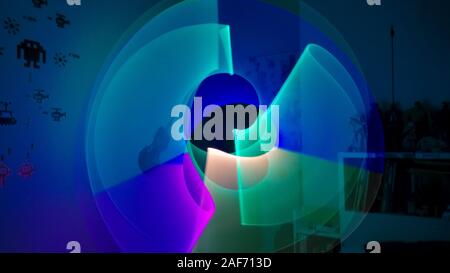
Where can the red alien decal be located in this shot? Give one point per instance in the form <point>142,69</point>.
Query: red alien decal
<point>4,173</point>
<point>26,170</point>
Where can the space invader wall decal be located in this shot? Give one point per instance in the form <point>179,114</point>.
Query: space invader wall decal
<point>6,116</point>
<point>5,171</point>
<point>11,26</point>
<point>32,52</point>
<point>39,3</point>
